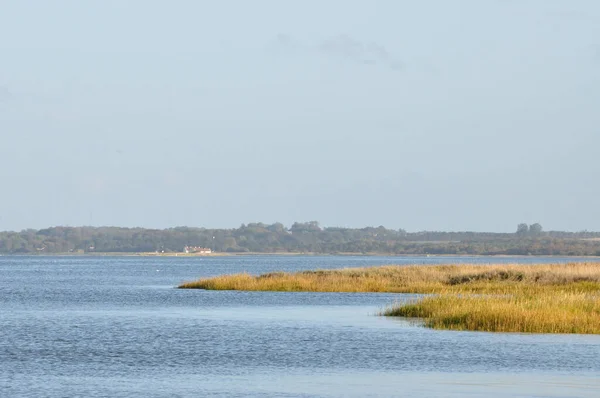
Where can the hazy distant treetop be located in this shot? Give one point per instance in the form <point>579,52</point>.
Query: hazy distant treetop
<point>535,229</point>
<point>522,229</point>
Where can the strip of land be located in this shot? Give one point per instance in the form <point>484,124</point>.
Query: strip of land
<point>299,238</point>
<point>551,298</point>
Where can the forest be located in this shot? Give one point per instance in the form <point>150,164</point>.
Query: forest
<point>301,237</point>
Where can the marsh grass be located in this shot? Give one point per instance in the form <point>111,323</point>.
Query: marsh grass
<point>414,279</point>
<point>555,298</point>
<point>546,311</point>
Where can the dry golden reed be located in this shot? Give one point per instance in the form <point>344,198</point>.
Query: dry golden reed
<point>551,298</point>
<point>414,279</point>
<point>542,312</point>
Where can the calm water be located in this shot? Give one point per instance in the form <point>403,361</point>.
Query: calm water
<point>116,327</point>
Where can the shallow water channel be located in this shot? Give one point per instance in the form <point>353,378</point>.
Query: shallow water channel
<point>115,326</point>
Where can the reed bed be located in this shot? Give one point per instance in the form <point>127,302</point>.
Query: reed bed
<point>550,298</point>
<point>414,279</point>
<point>541,312</point>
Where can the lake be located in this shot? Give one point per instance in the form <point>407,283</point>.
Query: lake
<point>116,327</point>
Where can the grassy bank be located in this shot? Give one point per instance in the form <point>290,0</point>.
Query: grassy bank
<point>555,298</point>
<point>415,279</point>
<point>541,311</point>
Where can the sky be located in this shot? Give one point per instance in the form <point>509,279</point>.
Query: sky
<point>424,115</point>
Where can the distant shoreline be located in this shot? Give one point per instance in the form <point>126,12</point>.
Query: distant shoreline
<point>299,239</point>
<point>250,254</point>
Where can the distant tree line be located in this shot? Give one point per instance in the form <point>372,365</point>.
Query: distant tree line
<point>307,237</point>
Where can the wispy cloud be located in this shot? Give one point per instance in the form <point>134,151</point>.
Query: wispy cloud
<point>341,47</point>
<point>369,53</point>
<point>286,42</point>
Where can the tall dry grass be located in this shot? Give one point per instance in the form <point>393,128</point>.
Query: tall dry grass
<point>415,279</point>
<point>541,311</point>
<point>555,298</point>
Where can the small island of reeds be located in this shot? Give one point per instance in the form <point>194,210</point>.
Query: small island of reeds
<point>550,298</point>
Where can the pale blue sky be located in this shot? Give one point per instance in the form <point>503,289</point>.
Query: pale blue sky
<point>443,115</point>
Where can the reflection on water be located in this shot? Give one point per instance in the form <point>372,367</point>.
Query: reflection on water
<point>116,327</point>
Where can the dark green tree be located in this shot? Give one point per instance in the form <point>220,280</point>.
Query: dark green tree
<point>535,229</point>
<point>522,229</point>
